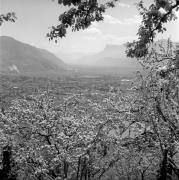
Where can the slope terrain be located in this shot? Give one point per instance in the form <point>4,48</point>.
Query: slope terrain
<point>18,57</point>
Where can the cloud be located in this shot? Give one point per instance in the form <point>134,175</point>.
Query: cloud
<point>90,38</point>
<point>136,19</point>
<point>93,30</point>
<point>111,20</point>
<point>124,5</point>
<point>94,24</point>
<point>109,38</point>
<point>113,39</point>
<point>92,33</point>
<point>126,21</point>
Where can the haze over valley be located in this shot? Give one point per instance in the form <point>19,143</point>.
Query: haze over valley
<point>21,58</point>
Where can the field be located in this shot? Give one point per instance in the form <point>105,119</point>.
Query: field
<point>78,95</point>
<point>64,84</point>
<point>82,124</point>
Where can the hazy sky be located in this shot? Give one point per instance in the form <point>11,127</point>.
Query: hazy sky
<point>36,16</point>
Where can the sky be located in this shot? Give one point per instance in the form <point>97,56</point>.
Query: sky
<point>35,17</point>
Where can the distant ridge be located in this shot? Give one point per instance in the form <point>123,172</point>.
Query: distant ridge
<point>114,56</point>
<point>18,57</point>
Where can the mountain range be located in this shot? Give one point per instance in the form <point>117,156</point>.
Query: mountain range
<point>18,57</point>
<point>115,56</point>
<point>110,56</point>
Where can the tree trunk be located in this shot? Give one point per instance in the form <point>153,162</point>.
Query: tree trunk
<point>143,176</point>
<point>5,173</point>
<point>65,167</point>
<point>163,168</point>
<point>83,169</point>
<point>78,170</point>
<point>128,177</point>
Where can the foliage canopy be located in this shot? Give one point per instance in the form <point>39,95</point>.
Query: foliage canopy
<point>82,13</point>
<point>7,17</point>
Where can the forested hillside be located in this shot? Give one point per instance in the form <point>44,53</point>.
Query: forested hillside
<point>17,57</point>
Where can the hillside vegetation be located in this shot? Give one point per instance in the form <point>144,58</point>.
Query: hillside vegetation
<point>17,57</point>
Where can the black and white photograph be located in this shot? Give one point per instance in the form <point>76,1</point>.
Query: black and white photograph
<point>89,89</point>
